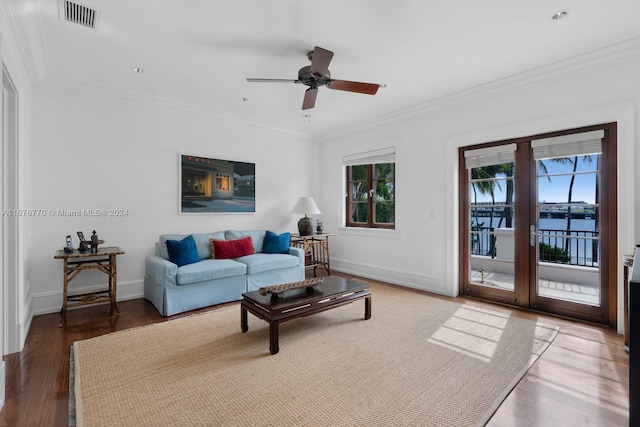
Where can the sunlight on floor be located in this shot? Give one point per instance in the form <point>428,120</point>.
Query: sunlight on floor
<point>472,331</point>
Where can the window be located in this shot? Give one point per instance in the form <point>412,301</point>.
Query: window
<point>222,181</point>
<point>370,195</point>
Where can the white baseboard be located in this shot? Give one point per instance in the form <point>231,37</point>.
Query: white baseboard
<point>397,277</point>
<point>51,302</point>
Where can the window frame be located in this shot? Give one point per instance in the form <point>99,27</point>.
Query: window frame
<point>371,198</point>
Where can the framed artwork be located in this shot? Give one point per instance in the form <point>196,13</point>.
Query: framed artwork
<point>216,186</point>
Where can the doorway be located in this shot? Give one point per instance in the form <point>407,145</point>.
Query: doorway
<point>9,246</point>
<point>538,225</point>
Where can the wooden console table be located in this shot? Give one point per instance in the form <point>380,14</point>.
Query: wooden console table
<point>75,262</point>
<point>317,246</point>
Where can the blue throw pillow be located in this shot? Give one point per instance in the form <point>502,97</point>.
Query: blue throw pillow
<point>183,252</point>
<point>276,244</point>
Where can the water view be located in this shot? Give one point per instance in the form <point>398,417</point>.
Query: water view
<point>580,246</point>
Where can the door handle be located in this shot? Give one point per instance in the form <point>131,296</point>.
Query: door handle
<point>532,235</point>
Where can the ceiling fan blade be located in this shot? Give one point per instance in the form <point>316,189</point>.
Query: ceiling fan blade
<point>249,79</point>
<point>309,98</point>
<point>359,87</point>
<point>320,60</point>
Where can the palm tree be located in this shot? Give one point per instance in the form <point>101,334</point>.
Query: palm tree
<point>483,183</point>
<point>507,214</point>
<point>574,162</point>
<point>586,159</point>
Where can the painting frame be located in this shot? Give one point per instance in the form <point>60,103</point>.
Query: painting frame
<point>215,186</point>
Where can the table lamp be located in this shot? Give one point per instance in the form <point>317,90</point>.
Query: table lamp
<point>305,205</point>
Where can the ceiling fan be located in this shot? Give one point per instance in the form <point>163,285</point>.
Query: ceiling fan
<point>317,74</point>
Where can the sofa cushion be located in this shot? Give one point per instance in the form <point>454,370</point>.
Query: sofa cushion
<point>228,249</point>
<point>257,236</point>
<point>161,249</point>
<point>183,252</point>
<point>202,243</point>
<point>276,243</point>
<point>209,269</point>
<point>258,263</point>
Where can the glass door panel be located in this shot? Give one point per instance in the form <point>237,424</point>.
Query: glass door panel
<point>538,229</point>
<point>568,229</point>
<point>491,219</point>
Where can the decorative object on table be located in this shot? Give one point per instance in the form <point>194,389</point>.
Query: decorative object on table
<point>216,186</point>
<point>319,227</point>
<point>69,245</point>
<point>94,242</point>
<point>305,205</point>
<point>84,245</point>
<point>277,291</point>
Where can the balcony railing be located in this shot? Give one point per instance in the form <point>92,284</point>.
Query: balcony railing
<point>571,247</point>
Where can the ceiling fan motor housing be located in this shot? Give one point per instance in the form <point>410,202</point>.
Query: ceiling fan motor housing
<point>307,78</point>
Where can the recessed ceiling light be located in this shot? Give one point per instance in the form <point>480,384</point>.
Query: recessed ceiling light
<point>137,70</point>
<point>243,99</point>
<point>560,14</point>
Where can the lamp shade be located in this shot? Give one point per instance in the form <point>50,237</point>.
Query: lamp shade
<point>306,206</point>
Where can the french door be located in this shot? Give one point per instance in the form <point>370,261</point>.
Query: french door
<point>538,222</point>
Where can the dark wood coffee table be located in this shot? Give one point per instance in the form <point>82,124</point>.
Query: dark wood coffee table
<point>331,293</point>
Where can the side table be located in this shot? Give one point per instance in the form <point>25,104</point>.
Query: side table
<point>317,246</point>
<point>75,262</point>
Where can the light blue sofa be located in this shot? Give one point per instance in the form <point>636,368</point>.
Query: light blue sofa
<point>174,289</point>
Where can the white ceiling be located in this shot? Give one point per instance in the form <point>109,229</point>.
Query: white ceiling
<point>197,53</point>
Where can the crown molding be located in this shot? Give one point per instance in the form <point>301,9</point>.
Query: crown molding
<point>615,54</point>
<point>116,94</point>
<point>36,69</point>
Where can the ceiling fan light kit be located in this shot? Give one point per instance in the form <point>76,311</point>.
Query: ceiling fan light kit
<point>317,74</point>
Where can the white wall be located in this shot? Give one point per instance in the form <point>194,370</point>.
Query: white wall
<point>422,251</point>
<point>93,152</point>
<point>15,294</point>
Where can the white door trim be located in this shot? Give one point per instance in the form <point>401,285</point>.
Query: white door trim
<point>9,228</point>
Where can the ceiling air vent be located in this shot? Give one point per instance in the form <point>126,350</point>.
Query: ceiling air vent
<point>79,14</point>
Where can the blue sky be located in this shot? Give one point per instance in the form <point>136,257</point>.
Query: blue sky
<point>556,188</point>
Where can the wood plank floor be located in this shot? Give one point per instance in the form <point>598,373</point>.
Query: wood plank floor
<point>581,380</point>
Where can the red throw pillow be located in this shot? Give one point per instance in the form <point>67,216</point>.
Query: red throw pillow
<point>227,249</point>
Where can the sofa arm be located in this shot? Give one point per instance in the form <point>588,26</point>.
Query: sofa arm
<point>160,270</point>
<point>297,252</point>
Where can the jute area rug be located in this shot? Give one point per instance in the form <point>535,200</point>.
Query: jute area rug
<point>419,361</point>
